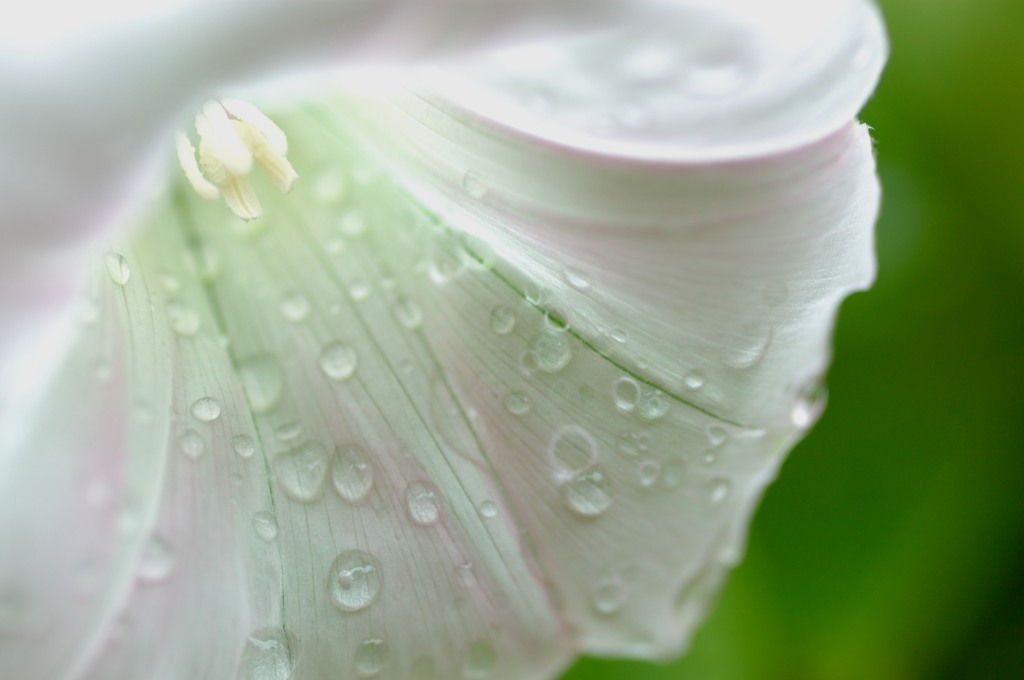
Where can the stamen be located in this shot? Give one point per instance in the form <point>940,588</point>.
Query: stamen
<point>232,134</point>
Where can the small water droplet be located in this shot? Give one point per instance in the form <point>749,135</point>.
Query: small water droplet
<point>265,526</point>
<point>747,350</point>
<point>183,320</point>
<point>338,361</point>
<point>550,351</point>
<point>409,313</point>
<point>170,282</point>
<point>370,658</point>
<point>649,471</point>
<point>719,490</point>
<point>466,574</point>
<point>351,473</point>
<point>693,380</point>
<point>716,434</point>
<point>330,187</point>
<point>267,655</point>
<point>295,307</point>
<point>673,474</point>
<point>609,596</point>
<point>117,268</point>
<point>576,279</point>
<point>503,320</point>
<point>262,381</point>
<point>481,660</point>
<point>652,404</point>
<point>588,493</point>
<point>517,403</point>
<point>352,224</point>
<point>206,409</point>
<point>488,509</point>
<point>631,444</point>
<point>302,472</point>
<point>808,405</point>
<point>620,336</point>
<point>156,561</point>
<point>473,186</point>
<point>359,290</point>
<point>625,393</point>
<point>354,580</point>
<point>243,445</point>
<point>423,503</point>
<point>191,444</point>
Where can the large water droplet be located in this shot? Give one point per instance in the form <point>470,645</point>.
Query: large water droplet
<point>265,526</point>
<point>295,307</point>
<point>588,493</point>
<point>748,349</point>
<point>338,361</point>
<point>117,268</point>
<point>503,320</point>
<point>517,403</point>
<point>262,380</point>
<point>625,393</point>
<point>156,561</point>
<point>481,660</point>
<point>354,580</point>
<point>206,409</point>
<point>409,313</point>
<point>571,450</point>
<point>302,472</point>
<point>351,473</point>
<point>652,404</point>
<point>550,351</point>
<point>183,320</point>
<point>191,444</point>
<point>370,658</point>
<point>267,655</point>
<point>243,445</point>
<point>423,501</point>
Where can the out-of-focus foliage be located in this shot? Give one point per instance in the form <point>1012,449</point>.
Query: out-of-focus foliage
<point>892,546</point>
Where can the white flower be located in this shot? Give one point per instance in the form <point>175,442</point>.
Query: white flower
<point>499,382</point>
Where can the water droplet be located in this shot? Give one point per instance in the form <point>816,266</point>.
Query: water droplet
<point>473,186</point>
<point>625,393</point>
<point>370,658</point>
<point>243,445</point>
<point>295,307</point>
<point>588,493</point>
<point>262,380</point>
<point>809,405</point>
<point>206,409</point>
<point>550,351</point>
<point>352,224</point>
<point>747,350</point>
<point>352,473</point>
<point>503,320</point>
<point>359,290</point>
<point>571,450</point>
<point>620,336</point>
<point>409,313</point>
<point>649,471</point>
<point>117,268</point>
<point>719,490</point>
<point>481,660</point>
<point>191,444</point>
<point>652,404</point>
<point>423,503</point>
<point>576,279</point>
<point>354,580</point>
<point>631,444</point>
<point>170,282</point>
<point>467,577</point>
<point>288,432</point>
<point>609,596</point>
<point>156,561</point>
<point>338,361</point>
<point>265,526</point>
<point>183,320</point>
<point>694,380</point>
<point>517,403</point>
<point>488,509</point>
<point>673,474</point>
<point>267,655</point>
<point>302,472</point>
<point>330,187</point>
<point>716,434</point>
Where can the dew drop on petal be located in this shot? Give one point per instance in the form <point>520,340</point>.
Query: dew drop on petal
<point>693,380</point>
<point>719,490</point>
<point>351,473</point>
<point>588,493</point>
<point>652,404</point>
<point>576,279</point>
<point>262,381</point>
<point>608,596</point>
<point>625,393</point>
<point>267,655</point>
<point>352,224</point>
<point>156,561</point>
<point>748,349</point>
<point>243,445</point>
<point>481,660</point>
<point>191,444</point>
<point>302,472</point>
<point>295,307</point>
<point>354,580</point>
<point>632,444</point>
<point>206,409</point>
<point>338,361</point>
<point>265,526</point>
<point>370,658</point>
<point>423,503</point>
<point>550,351</point>
<point>503,320</point>
<point>117,268</point>
<point>488,509</point>
<point>409,313</point>
<point>808,405</point>
<point>288,432</point>
<point>649,471</point>
<point>673,474</point>
<point>517,403</point>
<point>183,320</point>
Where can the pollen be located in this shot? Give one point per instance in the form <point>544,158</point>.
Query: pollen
<point>233,136</point>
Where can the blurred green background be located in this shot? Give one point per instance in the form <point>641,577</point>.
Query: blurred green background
<point>892,545</point>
